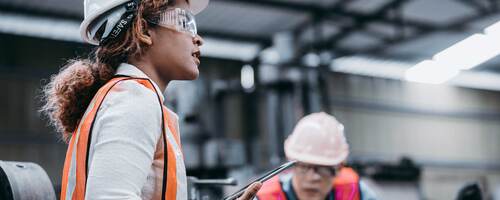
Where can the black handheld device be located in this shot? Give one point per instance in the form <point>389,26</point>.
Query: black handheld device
<point>261,179</point>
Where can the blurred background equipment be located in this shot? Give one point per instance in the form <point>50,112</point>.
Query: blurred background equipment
<point>196,186</point>
<point>24,181</point>
<point>413,79</point>
<point>470,191</point>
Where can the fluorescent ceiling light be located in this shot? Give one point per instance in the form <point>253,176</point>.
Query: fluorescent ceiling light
<point>41,27</point>
<point>247,77</point>
<point>477,80</point>
<point>493,29</point>
<point>68,30</point>
<point>395,70</point>
<point>430,71</point>
<point>229,49</point>
<point>469,52</point>
<point>370,67</point>
<point>464,55</point>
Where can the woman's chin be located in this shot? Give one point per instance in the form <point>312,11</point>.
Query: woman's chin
<point>192,75</point>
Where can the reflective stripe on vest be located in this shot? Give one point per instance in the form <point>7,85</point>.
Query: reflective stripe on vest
<point>75,171</point>
<point>345,187</point>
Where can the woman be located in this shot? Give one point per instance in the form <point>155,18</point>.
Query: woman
<point>123,143</point>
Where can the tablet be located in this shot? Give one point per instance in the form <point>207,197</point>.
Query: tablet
<point>261,179</point>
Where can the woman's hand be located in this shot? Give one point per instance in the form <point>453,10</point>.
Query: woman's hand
<point>251,191</point>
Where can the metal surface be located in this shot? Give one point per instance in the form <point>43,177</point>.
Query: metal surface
<point>27,181</point>
<point>194,185</point>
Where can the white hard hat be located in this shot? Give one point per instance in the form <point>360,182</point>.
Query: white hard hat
<point>98,12</point>
<point>318,139</point>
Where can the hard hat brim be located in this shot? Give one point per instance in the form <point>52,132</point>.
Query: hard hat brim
<point>316,160</point>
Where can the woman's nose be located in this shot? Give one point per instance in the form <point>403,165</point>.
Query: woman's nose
<point>198,40</point>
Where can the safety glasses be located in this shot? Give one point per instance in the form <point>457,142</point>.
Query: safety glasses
<point>324,171</point>
<point>177,19</point>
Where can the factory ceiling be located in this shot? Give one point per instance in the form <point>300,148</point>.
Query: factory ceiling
<point>407,30</point>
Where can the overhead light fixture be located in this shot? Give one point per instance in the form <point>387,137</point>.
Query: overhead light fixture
<point>42,27</point>
<point>494,29</point>
<point>247,77</point>
<point>430,71</point>
<point>469,52</point>
<point>219,48</point>
<point>370,67</point>
<point>464,55</point>
<point>390,69</point>
<point>479,80</point>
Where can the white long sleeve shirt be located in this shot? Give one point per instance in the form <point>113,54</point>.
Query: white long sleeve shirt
<point>126,150</point>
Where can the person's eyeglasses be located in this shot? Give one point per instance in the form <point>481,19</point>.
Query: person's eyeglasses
<point>325,171</point>
<point>178,19</point>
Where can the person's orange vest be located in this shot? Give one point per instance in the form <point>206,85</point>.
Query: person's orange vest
<point>74,176</point>
<point>345,187</point>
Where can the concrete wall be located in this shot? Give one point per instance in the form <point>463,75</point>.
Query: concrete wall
<point>387,118</point>
<point>454,133</point>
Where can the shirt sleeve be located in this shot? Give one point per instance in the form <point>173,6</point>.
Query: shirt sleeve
<point>125,134</point>
<point>366,192</point>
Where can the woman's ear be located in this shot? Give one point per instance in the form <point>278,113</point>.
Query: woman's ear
<point>147,34</point>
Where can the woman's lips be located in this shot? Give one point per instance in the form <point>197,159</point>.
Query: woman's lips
<point>196,56</point>
<point>197,61</point>
<point>311,191</point>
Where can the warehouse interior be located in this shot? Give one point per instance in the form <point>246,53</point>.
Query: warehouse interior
<point>416,129</point>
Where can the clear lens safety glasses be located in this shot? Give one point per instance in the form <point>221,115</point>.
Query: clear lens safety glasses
<point>178,19</point>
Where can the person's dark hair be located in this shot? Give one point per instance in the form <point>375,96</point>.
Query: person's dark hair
<point>68,94</point>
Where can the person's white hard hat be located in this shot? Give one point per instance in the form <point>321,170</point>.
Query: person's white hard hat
<point>98,12</point>
<point>318,139</point>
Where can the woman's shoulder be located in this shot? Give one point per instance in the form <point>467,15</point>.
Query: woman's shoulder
<point>132,96</point>
<point>134,88</point>
<point>132,107</point>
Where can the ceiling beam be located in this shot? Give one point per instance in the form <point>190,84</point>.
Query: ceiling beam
<point>39,12</point>
<point>359,23</point>
<point>336,11</point>
<point>482,6</point>
<point>291,6</point>
<point>460,24</point>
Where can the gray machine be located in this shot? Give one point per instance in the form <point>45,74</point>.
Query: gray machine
<point>24,181</point>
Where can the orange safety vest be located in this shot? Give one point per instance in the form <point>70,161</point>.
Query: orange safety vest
<point>75,171</point>
<point>345,187</point>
